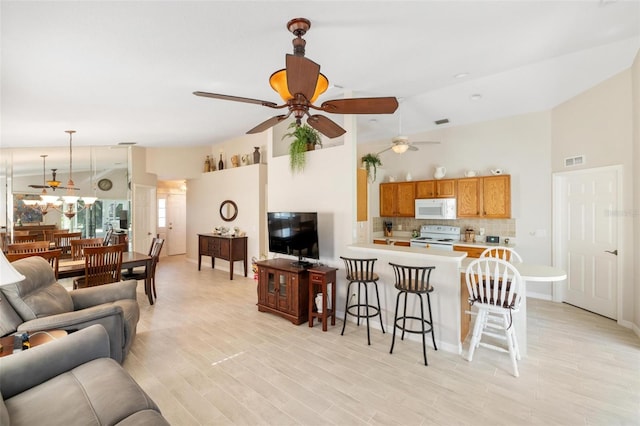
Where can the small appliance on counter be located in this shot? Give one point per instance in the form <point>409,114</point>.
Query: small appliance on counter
<point>388,229</point>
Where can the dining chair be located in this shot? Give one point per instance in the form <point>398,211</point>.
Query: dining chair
<point>26,238</point>
<point>51,256</point>
<point>62,240</point>
<point>504,253</point>
<point>102,265</point>
<point>107,237</point>
<point>143,273</point>
<point>494,287</point>
<point>78,246</point>
<point>28,247</point>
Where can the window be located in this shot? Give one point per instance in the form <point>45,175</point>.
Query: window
<point>162,212</point>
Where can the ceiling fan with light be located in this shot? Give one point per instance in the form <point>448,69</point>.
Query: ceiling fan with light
<point>300,84</point>
<point>401,144</point>
<point>49,184</point>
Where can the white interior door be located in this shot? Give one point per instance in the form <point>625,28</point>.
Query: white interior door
<point>144,217</point>
<point>176,229</point>
<point>588,230</point>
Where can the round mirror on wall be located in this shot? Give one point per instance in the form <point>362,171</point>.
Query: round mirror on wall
<point>228,210</point>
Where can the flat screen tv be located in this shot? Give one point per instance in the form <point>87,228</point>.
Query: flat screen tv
<point>294,234</point>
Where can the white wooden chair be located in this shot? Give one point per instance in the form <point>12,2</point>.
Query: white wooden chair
<point>495,288</point>
<point>504,253</point>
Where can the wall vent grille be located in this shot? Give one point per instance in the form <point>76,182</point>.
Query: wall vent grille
<point>578,160</point>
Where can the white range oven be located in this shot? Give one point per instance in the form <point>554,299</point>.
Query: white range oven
<point>437,237</point>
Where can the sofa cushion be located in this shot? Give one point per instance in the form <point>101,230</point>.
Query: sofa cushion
<point>144,418</point>
<point>4,413</point>
<point>38,295</point>
<point>99,392</point>
<point>9,319</point>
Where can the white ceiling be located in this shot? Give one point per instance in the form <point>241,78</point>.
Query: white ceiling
<point>125,71</point>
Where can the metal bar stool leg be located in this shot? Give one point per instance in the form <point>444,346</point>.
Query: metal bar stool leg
<point>424,343</point>
<point>375,285</point>
<point>366,303</point>
<point>346,308</point>
<point>404,316</point>
<point>395,318</point>
<point>433,334</point>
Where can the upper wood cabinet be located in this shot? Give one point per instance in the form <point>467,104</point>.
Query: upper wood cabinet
<point>443,188</point>
<point>488,197</point>
<point>496,196</point>
<point>362,196</point>
<point>397,199</point>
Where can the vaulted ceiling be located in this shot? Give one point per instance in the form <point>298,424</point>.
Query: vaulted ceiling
<point>125,71</point>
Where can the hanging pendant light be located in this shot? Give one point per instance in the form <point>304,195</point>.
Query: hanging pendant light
<point>70,199</point>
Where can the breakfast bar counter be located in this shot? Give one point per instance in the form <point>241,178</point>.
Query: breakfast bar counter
<point>446,280</point>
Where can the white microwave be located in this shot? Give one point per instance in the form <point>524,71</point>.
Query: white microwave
<point>436,208</point>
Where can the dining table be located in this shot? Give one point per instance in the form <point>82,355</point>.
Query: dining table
<point>68,268</point>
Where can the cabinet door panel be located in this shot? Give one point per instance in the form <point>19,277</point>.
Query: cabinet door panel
<point>496,196</point>
<point>387,199</point>
<point>406,199</point>
<point>446,188</point>
<point>425,189</point>
<point>284,292</point>
<point>469,197</point>
<point>271,294</point>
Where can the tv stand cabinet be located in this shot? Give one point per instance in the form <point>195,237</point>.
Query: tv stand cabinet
<point>283,289</point>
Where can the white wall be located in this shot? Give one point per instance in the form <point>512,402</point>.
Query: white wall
<point>635,82</point>
<point>243,185</point>
<point>599,124</point>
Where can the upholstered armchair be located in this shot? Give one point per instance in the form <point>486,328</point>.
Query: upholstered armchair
<point>39,302</point>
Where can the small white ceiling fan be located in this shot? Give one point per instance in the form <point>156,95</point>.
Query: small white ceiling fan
<point>401,144</point>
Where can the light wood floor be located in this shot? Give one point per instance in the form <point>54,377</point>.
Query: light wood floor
<point>206,355</point>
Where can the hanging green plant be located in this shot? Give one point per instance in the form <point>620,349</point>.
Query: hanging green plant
<point>371,161</point>
<point>305,138</point>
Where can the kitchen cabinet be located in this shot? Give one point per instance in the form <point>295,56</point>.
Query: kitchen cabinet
<point>397,199</point>
<point>474,252</point>
<point>362,199</point>
<point>442,188</point>
<point>488,197</point>
<point>283,289</point>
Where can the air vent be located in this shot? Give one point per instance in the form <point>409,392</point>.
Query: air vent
<point>574,161</point>
<point>442,121</point>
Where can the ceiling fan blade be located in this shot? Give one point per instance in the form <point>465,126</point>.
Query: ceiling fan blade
<point>384,150</point>
<point>236,99</point>
<point>426,143</point>
<point>386,105</point>
<point>268,123</point>
<point>39,186</point>
<point>325,126</point>
<point>302,75</point>
<point>73,188</point>
<point>412,148</point>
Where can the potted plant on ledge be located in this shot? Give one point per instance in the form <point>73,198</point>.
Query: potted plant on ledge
<point>370,162</point>
<point>305,138</point>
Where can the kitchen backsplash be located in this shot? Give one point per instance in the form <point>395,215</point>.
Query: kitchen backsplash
<point>500,227</point>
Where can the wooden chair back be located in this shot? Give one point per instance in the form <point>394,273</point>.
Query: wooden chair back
<point>52,256</point>
<point>36,246</point>
<point>21,233</point>
<point>62,240</point>
<point>27,238</point>
<point>102,265</point>
<point>78,246</point>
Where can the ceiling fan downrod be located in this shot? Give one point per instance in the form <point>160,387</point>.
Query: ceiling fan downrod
<point>299,27</point>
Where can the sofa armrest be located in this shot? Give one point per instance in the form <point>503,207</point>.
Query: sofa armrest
<point>72,320</point>
<point>91,296</point>
<point>24,370</point>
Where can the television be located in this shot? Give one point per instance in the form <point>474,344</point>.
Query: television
<point>294,234</point>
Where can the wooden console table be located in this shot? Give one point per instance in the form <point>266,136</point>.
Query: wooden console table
<point>283,289</point>
<point>231,249</point>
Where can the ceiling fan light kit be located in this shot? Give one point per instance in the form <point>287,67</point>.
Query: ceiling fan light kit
<point>300,84</point>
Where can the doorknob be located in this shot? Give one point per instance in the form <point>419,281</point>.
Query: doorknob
<point>612,252</point>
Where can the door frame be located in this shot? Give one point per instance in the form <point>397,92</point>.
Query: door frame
<point>559,246</point>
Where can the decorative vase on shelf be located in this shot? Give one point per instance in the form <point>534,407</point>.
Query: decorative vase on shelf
<point>207,165</point>
<point>440,172</point>
<point>256,155</point>
<point>220,163</point>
